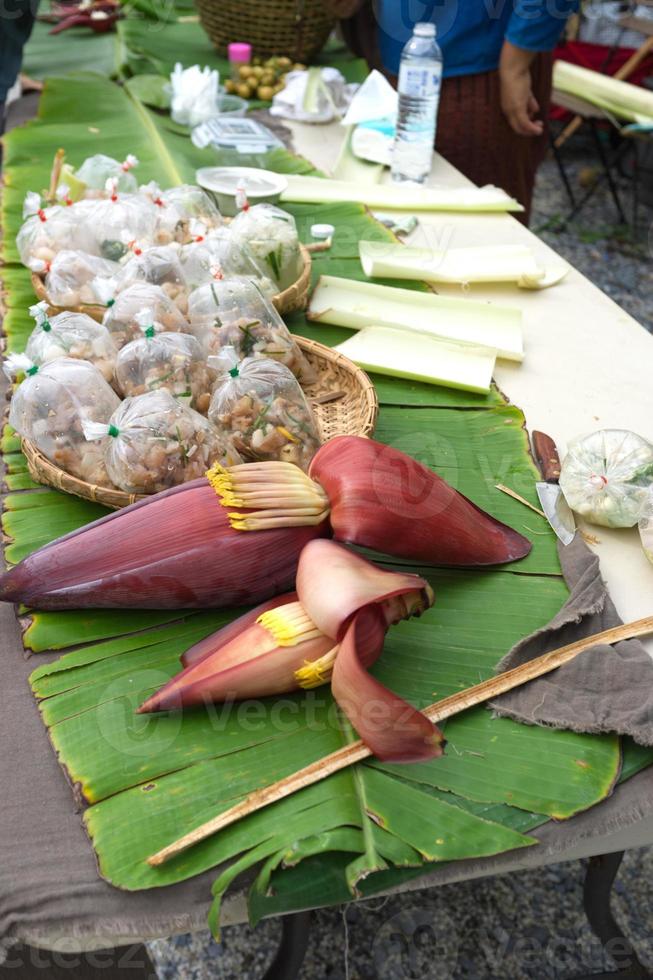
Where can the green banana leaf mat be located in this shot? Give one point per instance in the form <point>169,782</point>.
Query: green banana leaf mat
<point>147,779</point>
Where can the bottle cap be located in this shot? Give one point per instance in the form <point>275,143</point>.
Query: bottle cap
<point>239,51</point>
<point>322,231</point>
<point>424,29</point>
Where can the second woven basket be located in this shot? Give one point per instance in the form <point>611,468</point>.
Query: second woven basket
<point>297,29</point>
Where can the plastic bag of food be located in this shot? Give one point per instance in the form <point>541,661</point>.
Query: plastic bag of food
<point>234,313</point>
<point>606,475</point>
<point>646,525</point>
<point>271,234</point>
<point>50,406</point>
<point>184,213</point>
<point>98,169</point>
<point>160,266</point>
<point>174,361</point>
<point>123,308</point>
<point>47,230</point>
<point>156,443</point>
<point>217,256</point>
<point>120,223</point>
<point>69,279</point>
<point>258,403</point>
<point>71,334</point>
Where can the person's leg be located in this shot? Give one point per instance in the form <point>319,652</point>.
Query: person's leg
<point>474,135</point>
<point>16,22</point>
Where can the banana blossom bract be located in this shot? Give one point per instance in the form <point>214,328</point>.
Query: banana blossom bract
<point>184,548</point>
<point>331,628</point>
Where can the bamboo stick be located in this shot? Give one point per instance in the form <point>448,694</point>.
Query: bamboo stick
<point>356,751</point>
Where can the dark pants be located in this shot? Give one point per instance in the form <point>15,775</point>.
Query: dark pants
<point>16,22</point>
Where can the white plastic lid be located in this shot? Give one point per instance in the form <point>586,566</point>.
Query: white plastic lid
<point>424,29</point>
<point>322,231</point>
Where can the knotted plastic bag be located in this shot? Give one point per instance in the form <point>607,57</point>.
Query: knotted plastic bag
<point>234,313</point>
<point>184,213</point>
<point>155,443</point>
<point>271,235</point>
<point>218,256</point>
<point>123,308</point>
<point>120,223</point>
<point>70,334</point>
<point>174,361</point>
<point>160,266</point>
<point>47,230</point>
<point>96,170</point>
<point>69,280</point>
<point>51,406</point>
<point>605,476</point>
<point>258,403</point>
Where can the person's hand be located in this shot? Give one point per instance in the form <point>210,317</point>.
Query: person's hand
<point>519,105</point>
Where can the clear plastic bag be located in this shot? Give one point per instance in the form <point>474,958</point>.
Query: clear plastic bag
<point>271,235</point>
<point>161,267</point>
<point>98,169</point>
<point>45,231</point>
<point>119,223</point>
<point>74,335</point>
<point>258,403</point>
<point>217,256</point>
<point>50,406</point>
<point>156,443</point>
<point>120,318</point>
<point>234,313</point>
<point>605,476</point>
<point>184,213</point>
<point>174,361</point>
<point>646,525</point>
<point>69,279</point>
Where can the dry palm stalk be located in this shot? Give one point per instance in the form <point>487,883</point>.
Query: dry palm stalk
<point>356,751</point>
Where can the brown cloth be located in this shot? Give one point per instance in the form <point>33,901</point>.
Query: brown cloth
<point>473,133</point>
<point>605,689</point>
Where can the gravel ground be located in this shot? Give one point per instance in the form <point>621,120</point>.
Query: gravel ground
<point>527,926</point>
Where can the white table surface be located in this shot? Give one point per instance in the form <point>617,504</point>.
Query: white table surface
<point>588,364</point>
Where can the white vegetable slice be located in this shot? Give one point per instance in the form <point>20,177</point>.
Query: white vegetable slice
<point>317,190</point>
<point>408,354</point>
<point>357,305</point>
<point>498,263</point>
<point>623,99</point>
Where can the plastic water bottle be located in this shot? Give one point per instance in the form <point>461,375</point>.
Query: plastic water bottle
<point>420,77</point>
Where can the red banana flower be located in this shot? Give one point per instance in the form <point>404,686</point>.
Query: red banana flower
<point>182,549</point>
<point>333,627</point>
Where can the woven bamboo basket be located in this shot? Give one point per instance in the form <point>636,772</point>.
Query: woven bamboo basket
<point>343,400</point>
<point>292,299</point>
<point>297,29</point>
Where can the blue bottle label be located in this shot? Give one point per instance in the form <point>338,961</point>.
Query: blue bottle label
<point>419,82</point>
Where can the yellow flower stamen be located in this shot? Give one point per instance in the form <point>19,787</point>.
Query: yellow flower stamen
<point>289,624</point>
<point>316,672</point>
<point>278,495</point>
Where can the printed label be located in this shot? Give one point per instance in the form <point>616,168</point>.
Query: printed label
<point>419,82</point>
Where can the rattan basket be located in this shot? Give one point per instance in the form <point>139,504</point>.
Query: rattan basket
<point>343,400</point>
<point>297,29</point>
<point>292,299</point>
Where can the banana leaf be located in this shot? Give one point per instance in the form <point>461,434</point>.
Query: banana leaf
<point>147,779</point>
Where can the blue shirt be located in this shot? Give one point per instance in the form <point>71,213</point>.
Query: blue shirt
<point>471,32</point>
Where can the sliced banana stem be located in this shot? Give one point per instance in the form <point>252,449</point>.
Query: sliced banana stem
<point>357,751</point>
